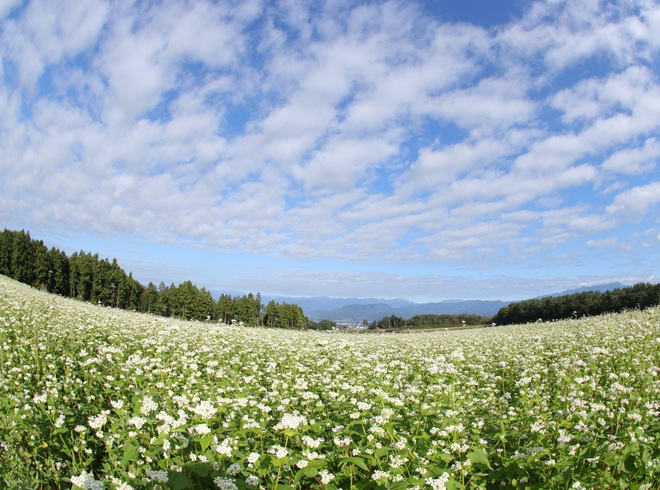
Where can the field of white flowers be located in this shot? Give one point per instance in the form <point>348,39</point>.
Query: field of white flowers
<point>95,398</point>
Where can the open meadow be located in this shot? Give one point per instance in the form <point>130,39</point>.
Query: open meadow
<point>94,397</point>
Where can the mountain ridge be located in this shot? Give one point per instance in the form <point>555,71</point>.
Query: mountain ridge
<point>601,288</point>
<point>318,308</point>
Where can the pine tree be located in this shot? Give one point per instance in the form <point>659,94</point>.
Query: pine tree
<point>22,258</point>
<point>6,245</point>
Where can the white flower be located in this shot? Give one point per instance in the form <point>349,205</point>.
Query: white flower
<point>252,458</point>
<point>86,481</point>
<point>148,405</point>
<point>379,475</point>
<point>225,483</point>
<point>99,420</point>
<point>200,429</point>
<point>59,423</point>
<point>224,448</point>
<point>279,451</point>
<point>312,443</point>
<point>40,398</point>
<point>252,480</point>
<point>290,421</point>
<point>326,477</point>
<point>159,476</point>
<point>137,422</point>
<point>205,410</point>
<point>438,483</point>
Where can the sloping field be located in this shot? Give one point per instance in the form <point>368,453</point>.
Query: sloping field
<point>93,397</point>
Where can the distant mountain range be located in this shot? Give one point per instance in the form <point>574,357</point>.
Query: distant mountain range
<point>600,288</point>
<point>373,309</point>
<point>376,311</point>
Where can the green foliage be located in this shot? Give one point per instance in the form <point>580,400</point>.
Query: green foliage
<point>322,325</point>
<point>578,305</point>
<point>95,396</point>
<point>284,316</point>
<point>431,321</point>
<point>86,277</point>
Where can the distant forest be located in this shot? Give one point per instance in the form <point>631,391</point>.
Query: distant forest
<point>589,303</point>
<point>86,277</point>
<point>430,321</point>
<point>577,305</point>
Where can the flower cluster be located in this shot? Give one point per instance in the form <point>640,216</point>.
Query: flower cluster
<point>105,398</point>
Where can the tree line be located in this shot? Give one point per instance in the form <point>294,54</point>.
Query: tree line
<point>577,305</point>
<point>430,321</point>
<point>86,277</point>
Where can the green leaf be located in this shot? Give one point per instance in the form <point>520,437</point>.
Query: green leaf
<point>210,454</point>
<point>359,462</point>
<point>308,472</point>
<point>478,455</point>
<point>379,453</point>
<point>454,485</point>
<point>611,460</point>
<point>178,481</point>
<point>205,441</point>
<point>130,454</point>
<point>159,440</point>
<point>200,469</point>
<point>445,457</point>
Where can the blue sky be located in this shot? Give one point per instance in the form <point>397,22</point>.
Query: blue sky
<point>424,150</point>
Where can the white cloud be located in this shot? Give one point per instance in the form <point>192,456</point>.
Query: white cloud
<point>594,98</point>
<point>343,163</point>
<point>651,26</point>
<point>566,33</point>
<point>608,242</point>
<point>367,132</point>
<point>634,161</point>
<point>206,33</point>
<point>6,6</point>
<point>495,103</point>
<point>143,60</point>
<point>635,201</point>
<point>48,32</point>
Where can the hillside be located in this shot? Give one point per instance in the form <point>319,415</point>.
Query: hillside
<point>99,397</point>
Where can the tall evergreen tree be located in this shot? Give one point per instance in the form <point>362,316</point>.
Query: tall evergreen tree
<point>88,278</point>
<point>150,301</point>
<point>224,309</point>
<point>22,258</point>
<point>41,265</point>
<point>6,246</point>
<point>60,278</point>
